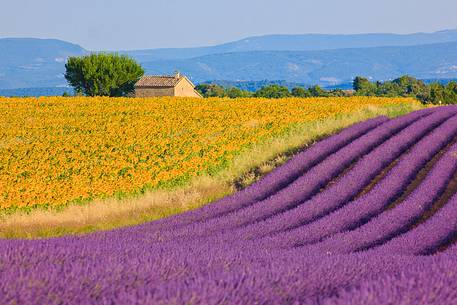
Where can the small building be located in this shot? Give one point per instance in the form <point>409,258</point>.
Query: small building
<point>155,85</point>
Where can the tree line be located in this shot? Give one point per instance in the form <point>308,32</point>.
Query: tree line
<point>405,86</point>
<point>105,74</point>
<point>271,91</point>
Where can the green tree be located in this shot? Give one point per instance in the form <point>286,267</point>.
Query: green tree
<point>300,92</point>
<point>234,92</point>
<point>410,86</point>
<point>273,91</point>
<point>388,89</point>
<point>103,74</point>
<point>210,90</point>
<point>363,86</point>
<point>450,93</point>
<point>436,93</point>
<point>338,93</point>
<point>317,91</point>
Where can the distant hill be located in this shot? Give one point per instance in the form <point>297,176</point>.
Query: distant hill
<point>328,60</point>
<point>255,85</point>
<point>326,67</point>
<point>29,62</point>
<point>442,81</point>
<point>306,42</point>
<point>40,91</point>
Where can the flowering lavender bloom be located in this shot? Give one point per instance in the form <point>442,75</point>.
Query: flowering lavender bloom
<point>281,176</point>
<point>432,283</point>
<point>306,185</point>
<point>398,219</point>
<point>373,202</point>
<point>427,236</point>
<point>349,185</point>
<point>180,260</point>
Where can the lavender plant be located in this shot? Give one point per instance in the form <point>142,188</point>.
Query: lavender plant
<point>322,229</point>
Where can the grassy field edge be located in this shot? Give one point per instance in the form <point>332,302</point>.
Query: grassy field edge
<point>246,168</point>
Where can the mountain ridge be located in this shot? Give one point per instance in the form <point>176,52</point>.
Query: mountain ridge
<point>33,62</point>
<point>299,42</point>
<point>325,67</point>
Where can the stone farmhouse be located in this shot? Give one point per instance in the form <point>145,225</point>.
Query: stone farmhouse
<point>176,85</point>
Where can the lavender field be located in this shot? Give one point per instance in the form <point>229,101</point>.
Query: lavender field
<point>367,216</point>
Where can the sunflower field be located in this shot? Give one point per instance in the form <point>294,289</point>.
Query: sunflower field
<point>56,150</point>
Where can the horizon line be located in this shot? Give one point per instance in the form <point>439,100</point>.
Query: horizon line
<point>230,41</point>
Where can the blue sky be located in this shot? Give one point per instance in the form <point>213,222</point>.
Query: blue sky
<point>137,24</point>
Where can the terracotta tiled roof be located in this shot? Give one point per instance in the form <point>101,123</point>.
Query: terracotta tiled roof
<point>158,81</point>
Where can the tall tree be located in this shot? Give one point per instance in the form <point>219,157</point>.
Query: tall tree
<point>450,93</point>
<point>363,86</point>
<point>103,74</point>
<point>300,92</point>
<point>317,91</point>
<point>234,92</point>
<point>273,91</point>
<point>436,93</point>
<point>210,90</point>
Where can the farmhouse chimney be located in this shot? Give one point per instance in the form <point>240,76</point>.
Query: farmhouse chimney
<point>177,74</point>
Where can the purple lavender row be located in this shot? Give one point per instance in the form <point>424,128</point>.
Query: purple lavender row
<point>123,267</point>
<point>391,147</point>
<point>288,278</point>
<point>425,238</point>
<point>395,221</point>
<point>122,272</point>
<point>281,176</point>
<point>362,209</point>
<point>450,250</point>
<point>350,184</point>
<point>302,188</point>
<point>429,283</point>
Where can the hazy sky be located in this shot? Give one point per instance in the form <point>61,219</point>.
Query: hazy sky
<point>136,24</point>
